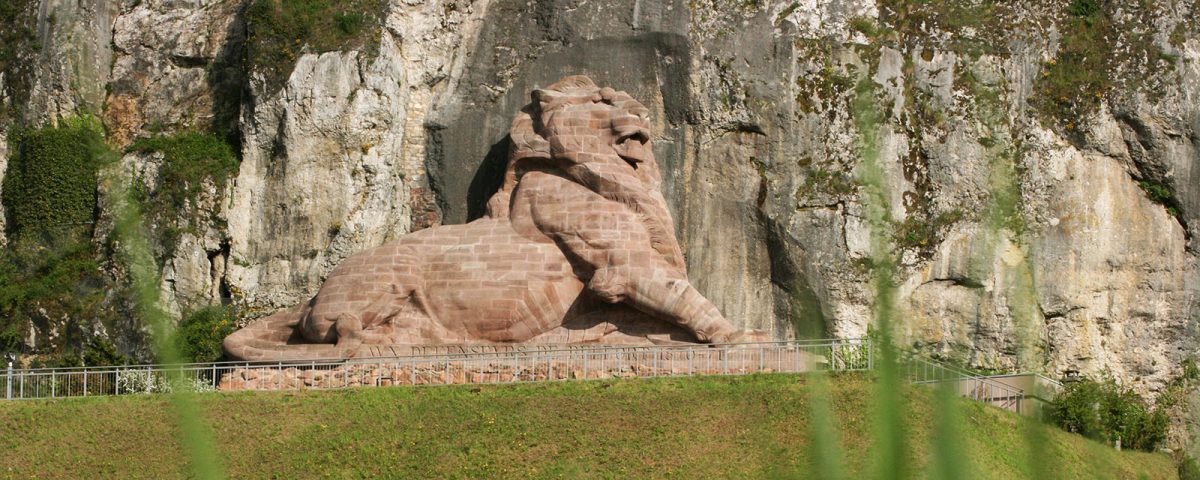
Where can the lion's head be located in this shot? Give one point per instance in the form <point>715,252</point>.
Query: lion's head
<point>576,122</point>
<point>598,137</point>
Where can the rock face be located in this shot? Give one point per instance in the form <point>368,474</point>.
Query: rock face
<point>1015,197</point>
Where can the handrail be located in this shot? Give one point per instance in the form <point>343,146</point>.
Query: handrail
<point>536,348</point>
<point>526,363</point>
<point>554,362</point>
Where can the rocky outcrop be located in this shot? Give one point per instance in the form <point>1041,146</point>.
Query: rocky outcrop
<point>333,163</point>
<point>73,55</point>
<point>820,158</point>
<point>175,67</point>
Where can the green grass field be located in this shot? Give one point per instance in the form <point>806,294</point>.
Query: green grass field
<point>701,427</point>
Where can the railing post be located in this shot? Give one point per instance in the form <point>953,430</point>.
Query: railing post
<point>85,382</point>
<point>655,362</point>
<point>870,354</point>
<point>53,383</point>
<point>8,383</point>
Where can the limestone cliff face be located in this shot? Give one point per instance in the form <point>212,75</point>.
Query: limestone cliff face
<point>812,150</point>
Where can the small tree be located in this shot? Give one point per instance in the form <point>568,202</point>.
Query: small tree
<point>1104,411</point>
<point>200,335</point>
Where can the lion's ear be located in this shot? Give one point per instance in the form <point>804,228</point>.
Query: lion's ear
<point>546,100</point>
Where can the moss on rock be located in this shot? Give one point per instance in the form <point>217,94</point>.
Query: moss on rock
<point>189,161</point>
<point>279,31</point>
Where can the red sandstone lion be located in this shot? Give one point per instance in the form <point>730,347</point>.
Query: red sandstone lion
<point>577,247</point>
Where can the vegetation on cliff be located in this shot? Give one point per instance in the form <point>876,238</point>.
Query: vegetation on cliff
<point>50,184</point>
<point>191,162</point>
<point>278,32</point>
<point>199,336</point>
<point>16,37</point>
<point>51,271</point>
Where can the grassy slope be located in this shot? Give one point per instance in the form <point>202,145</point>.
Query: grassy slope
<point>687,427</point>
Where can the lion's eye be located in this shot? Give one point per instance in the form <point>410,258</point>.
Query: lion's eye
<point>638,135</point>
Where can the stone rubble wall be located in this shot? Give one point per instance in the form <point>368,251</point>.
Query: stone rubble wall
<point>514,369</point>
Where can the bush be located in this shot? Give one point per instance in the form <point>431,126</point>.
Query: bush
<point>200,335</point>
<point>51,284</point>
<point>99,351</point>
<point>50,185</point>
<point>1104,411</point>
<point>1189,469</point>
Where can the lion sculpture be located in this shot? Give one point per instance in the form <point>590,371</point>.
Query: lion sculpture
<point>577,246</point>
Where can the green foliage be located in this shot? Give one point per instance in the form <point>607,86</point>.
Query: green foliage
<point>189,160</point>
<point>1189,469</point>
<point>16,35</point>
<point>821,89</point>
<point>50,185</point>
<point>1074,83</point>
<point>864,25</point>
<point>1178,35</point>
<point>1084,8</point>
<point>976,25</point>
<point>51,272</point>
<point>783,14</point>
<point>99,351</point>
<point>1098,44</point>
<point>1189,371</point>
<point>351,24</point>
<point>199,336</point>
<point>1160,194</point>
<point>916,232</point>
<point>1106,412</point>
<point>49,284</point>
<point>279,31</point>
<point>14,29</point>
<point>11,335</point>
<point>819,180</point>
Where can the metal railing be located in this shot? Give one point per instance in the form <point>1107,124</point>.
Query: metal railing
<point>924,371</point>
<point>541,364</point>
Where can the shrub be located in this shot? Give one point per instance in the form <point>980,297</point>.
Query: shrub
<point>1189,469</point>
<point>50,184</point>
<point>51,272</point>
<point>1104,411</point>
<point>59,283</point>
<point>134,381</point>
<point>200,335</point>
<point>99,351</point>
<point>1160,194</point>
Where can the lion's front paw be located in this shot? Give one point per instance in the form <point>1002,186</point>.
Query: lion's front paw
<point>742,336</point>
